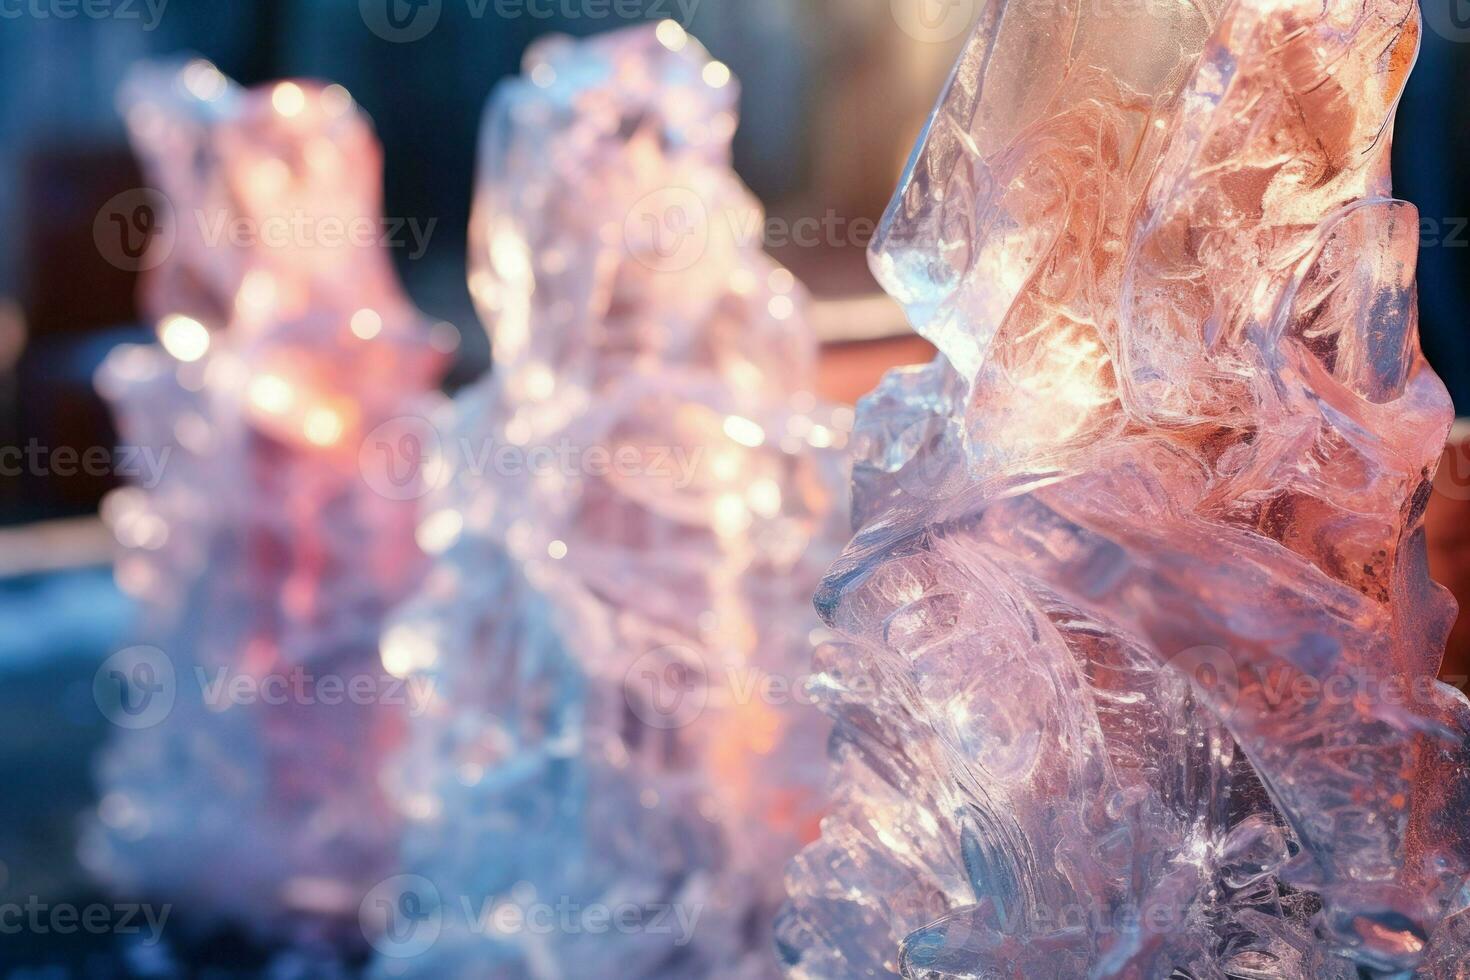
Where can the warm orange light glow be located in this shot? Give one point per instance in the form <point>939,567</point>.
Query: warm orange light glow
<point>322,427</point>
<point>185,338</point>
<point>288,99</point>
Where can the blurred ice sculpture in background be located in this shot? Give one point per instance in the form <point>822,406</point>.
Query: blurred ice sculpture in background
<point>246,784</point>
<point>1135,675</point>
<point>639,502</point>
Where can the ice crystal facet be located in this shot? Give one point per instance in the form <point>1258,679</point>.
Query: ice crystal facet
<point>1135,674</point>
<point>618,761</point>
<point>263,558</point>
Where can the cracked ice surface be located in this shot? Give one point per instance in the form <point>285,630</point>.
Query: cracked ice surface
<point>1137,646</point>
<point>600,622</point>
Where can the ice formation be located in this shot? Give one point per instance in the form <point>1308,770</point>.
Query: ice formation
<point>1137,646</point>
<point>246,784</point>
<point>640,500</point>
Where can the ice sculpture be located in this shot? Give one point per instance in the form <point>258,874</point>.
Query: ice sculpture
<point>642,497</point>
<point>263,560</point>
<point>1136,656</point>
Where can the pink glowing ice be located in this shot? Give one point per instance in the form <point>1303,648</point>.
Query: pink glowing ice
<point>1137,655</point>
<point>263,560</point>
<point>641,499</point>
